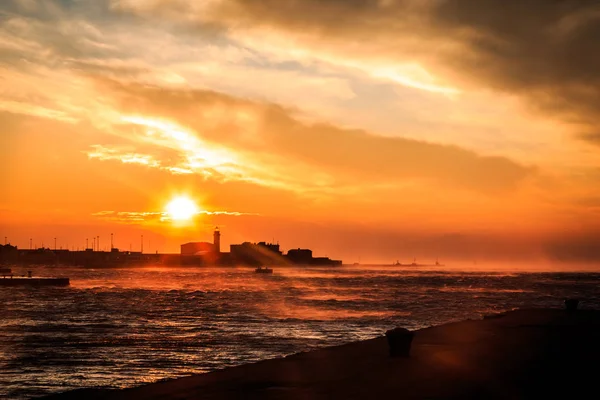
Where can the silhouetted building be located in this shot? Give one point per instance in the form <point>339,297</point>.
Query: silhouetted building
<point>8,253</point>
<point>217,240</point>
<point>8,248</point>
<point>197,248</point>
<point>325,261</point>
<point>203,248</point>
<point>300,256</point>
<point>271,247</point>
<point>260,253</point>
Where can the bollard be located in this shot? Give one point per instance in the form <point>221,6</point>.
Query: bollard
<point>399,341</point>
<point>571,304</point>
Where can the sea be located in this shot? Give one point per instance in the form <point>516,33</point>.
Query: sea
<point>117,328</point>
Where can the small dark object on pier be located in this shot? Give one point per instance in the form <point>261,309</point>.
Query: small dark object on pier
<point>494,316</point>
<point>571,304</point>
<point>399,340</point>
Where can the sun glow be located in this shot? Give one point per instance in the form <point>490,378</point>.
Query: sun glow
<point>182,209</point>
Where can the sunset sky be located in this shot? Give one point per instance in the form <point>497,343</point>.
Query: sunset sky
<point>373,130</point>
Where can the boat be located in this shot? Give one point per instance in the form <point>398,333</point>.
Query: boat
<point>415,264</point>
<point>263,270</point>
<point>30,280</point>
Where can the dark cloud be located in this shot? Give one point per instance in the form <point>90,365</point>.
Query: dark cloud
<point>542,50</point>
<point>545,51</point>
<point>369,156</point>
<point>593,137</point>
<point>68,34</point>
<point>54,32</point>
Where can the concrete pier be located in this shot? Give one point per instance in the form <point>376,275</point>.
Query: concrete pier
<point>521,354</point>
<point>32,281</point>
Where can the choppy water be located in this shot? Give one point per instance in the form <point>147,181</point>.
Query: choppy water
<point>122,327</point>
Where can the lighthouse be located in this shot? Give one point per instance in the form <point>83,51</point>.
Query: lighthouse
<point>217,240</point>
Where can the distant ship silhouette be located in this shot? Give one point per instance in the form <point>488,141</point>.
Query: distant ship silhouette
<point>415,264</point>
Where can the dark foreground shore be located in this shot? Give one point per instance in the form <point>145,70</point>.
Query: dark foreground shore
<point>520,354</point>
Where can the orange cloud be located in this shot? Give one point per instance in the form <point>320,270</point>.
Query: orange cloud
<point>140,217</point>
<point>104,153</point>
<point>258,139</point>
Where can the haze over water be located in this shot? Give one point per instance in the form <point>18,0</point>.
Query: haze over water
<point>123,327</point>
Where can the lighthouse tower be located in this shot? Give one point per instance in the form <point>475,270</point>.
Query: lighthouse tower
<point>217,240</point>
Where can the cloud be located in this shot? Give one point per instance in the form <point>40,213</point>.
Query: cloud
<point>138,217</point>
<point>592,137</point>
<point>268,144</point>
<point>210,45</point>
<point>129,216</point>
<point>316,26</point>
<point>35,111</point>
<point>543,51</point>
<point>172,147</point>
<point>106,153</point>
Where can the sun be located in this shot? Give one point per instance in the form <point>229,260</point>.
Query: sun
<point>182,208</point>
